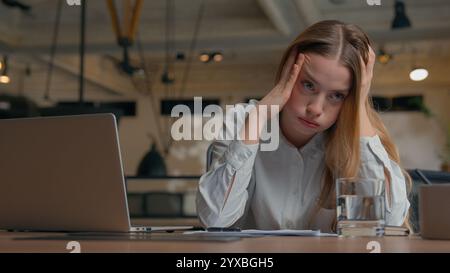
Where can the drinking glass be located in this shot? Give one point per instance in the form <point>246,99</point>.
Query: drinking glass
<point>360,207</point>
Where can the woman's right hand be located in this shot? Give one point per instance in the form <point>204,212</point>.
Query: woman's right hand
<point>281,93</point>
<point>278,96</point>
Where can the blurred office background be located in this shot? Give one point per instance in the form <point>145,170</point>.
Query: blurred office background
<point>142,57</point>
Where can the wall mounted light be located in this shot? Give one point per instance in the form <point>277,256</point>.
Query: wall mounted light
<point>4,78</point>
<point>418,74</point>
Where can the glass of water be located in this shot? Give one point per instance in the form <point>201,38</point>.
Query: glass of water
<point>360,207</point>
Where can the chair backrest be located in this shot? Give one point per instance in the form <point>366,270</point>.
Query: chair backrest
<point>433,176</point>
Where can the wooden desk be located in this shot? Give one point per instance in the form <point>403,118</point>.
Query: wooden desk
<point>49,242</point>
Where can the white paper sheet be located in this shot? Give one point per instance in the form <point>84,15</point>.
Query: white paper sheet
<point>258,233</point>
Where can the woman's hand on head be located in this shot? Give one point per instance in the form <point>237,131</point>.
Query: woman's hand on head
<point>278,96</point>
<point>366,75</point>
<point>281,93</point>
<point>366,127</point>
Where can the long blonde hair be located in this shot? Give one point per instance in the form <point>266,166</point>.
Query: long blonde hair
<point>347,42</point>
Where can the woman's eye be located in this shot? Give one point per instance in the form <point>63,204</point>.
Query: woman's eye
<point>308,86</point>
<point>337,97</point>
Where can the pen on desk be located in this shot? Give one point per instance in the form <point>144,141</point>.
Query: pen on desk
<point>422,177</point>
<point>221,229</point>
<point>197,228</point>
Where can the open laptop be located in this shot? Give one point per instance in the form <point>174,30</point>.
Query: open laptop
<point>64,174</point>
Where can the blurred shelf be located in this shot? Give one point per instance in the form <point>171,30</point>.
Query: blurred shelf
<point>165,197</point>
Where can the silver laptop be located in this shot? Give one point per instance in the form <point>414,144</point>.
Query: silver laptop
<point>63,174</point>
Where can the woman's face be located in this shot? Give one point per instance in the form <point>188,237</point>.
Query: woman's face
<point>317,96</point>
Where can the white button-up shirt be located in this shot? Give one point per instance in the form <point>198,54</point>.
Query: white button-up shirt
<point>280,189</point>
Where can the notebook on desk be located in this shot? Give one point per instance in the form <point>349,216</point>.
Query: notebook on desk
<point>395,231</point>
<point>64,174</point>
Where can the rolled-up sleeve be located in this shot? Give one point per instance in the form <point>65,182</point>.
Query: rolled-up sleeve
<point>222,193</point>
<point>374,162</point>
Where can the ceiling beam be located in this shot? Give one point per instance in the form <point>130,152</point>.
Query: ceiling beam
<point>409,34</point>
<point>110,87</point>
<point>9,37</point>
<point>284,15</point>
<point>261,43</point>
<point>309,11</point>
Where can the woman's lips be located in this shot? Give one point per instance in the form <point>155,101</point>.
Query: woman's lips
<point>309,123</point>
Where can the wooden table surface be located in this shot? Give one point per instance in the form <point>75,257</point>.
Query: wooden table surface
<point>176,242</point>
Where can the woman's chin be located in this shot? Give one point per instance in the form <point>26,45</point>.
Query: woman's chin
<point>306,131</point>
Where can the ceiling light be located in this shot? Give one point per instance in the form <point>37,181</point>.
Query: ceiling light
<point>401,20</point>
<point>167,77</point>
<point>418,74</point>
<point>217,57</point>
<point>204,57</point>
<point>180,56</point>
<point>384,57</point>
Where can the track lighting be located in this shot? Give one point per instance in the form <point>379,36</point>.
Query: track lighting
<point>206,57</point>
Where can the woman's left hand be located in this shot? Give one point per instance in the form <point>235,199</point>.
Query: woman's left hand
<point>366,128</point>
<point>366,75</point>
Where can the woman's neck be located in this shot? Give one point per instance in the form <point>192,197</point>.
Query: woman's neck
<point>294,137</point>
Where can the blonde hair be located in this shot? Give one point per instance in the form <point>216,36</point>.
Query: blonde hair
<point>347,42</point>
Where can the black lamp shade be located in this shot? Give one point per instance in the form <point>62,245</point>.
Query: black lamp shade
<point>400,19</point>
<point>152,164</point>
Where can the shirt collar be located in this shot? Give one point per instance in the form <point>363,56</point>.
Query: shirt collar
<point>315,144</point>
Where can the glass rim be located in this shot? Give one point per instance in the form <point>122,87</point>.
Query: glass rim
<point>358,179</point>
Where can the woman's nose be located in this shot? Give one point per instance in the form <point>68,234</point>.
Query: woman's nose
<point>315,107</point>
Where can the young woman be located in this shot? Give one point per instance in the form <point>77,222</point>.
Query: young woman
<point>328,129</point>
